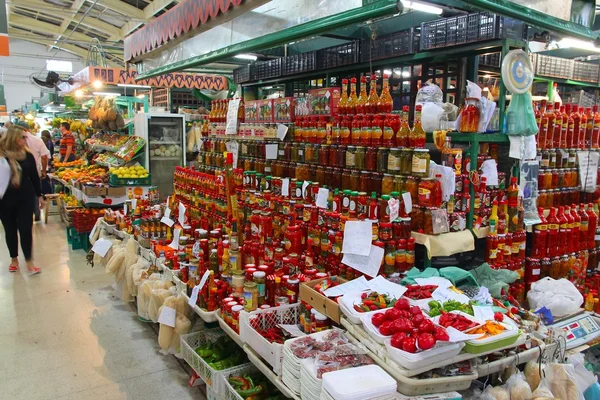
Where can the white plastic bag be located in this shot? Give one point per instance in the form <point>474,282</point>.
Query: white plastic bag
<point>561,378</point>
<point>583,377</point>
<point>559,296</point>
<point>431,114</point>
<point>518,387</point>
<point>543,390</point>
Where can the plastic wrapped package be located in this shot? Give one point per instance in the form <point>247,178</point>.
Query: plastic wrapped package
<point>583,377</point>
<point>532,374</point>
<point>144,294</point>
<point>129,277</point>
<point>430,93</point>
<point>114,263</point>
<point>181,305</point>
<point>497,393</point>
<point>431,114</point>
<point>559,296</point>
<point>157,298</point>
<point>182,327</point>
<point>561,378</point>
<point>165,337</point>
<point>126,294</point>
<point>543,390</point>
<point>97,233</point>
<point>519,388</point>
<point>131,249</point>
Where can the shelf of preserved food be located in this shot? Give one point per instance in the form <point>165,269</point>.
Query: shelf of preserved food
<point>165,158</point>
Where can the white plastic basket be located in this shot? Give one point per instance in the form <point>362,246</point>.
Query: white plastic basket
<point>229,393</point>
<point>210,376</point>
<point>272,353</point>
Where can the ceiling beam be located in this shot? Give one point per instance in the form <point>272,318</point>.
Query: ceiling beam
<point>45,27</point>
<point>63,47</point>
<point>122,8</point>
<point>70,14</point>
<point>76,6</point>
<point>149,12</point>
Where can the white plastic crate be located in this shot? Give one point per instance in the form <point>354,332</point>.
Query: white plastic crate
<point>272,353</point>
<point>210,376</point>
<point>229,393</point>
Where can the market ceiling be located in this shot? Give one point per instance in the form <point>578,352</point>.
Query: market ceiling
<point>70,25</point>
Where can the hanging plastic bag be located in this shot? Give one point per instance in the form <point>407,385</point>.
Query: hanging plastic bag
<point>518,387</point>
<point>562,381</point>
<point>559,296</point>
<point>431,115</point>
<point>520,119</point>
<point>497,392</point>
<point>583,377</point>
<point>543,391</point>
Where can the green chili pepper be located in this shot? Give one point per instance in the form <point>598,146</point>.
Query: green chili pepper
<point>251,392</point>
<point>239,383</point>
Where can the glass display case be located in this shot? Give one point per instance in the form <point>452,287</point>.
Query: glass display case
<point>165,135</point>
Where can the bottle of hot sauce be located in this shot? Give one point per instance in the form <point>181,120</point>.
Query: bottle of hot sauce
<point>552,242</point>
<point>373,213</point>
<point>589,127</point>
<point>576,127</point>
<point>353,99</point>
<point>575,243</point>
<point>540,236</point>
<point>563,231</point>
<point>343,103</point>
<point>596,129</point>
<point>363,98</point>
<point>538,114</point>
<point>584,227</point>
<point>502,226</point>
<point>564,128</point>
<point>403,135</point>
<point>543,133</point>
<point>373,100</point>
<point>386,104</point>
<point>592,225</point>
<point>418,133</point>
<point>557,126</point>
<point>550,132</point>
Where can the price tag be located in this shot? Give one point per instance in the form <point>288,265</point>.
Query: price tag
<point>167,212</point>
<point>167,316</point>
<point>101,247</point>
<point>93,230</point>
<point>322,196</point>
<point>394,206</point>
<point>125,208</point>
<point>167,221</point>
<point>194,297</point>
<point>181,213</point>
<point>175,242</point>
<point>285,186</point>
<point>232,117</point>
<point>271,151</point>
<point>281,131</point>
<point>304,186</point>
<point>407,202</point>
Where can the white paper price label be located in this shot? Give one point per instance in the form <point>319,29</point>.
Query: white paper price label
<point>167,316</point>
<point>394,206</point>
<point>101,247</point>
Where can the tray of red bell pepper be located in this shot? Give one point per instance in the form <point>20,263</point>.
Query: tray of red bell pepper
<point>418,292</point>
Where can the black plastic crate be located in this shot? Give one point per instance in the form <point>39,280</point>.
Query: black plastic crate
<point>268,69</point>
<point>244,73</point>
<point>469,28</point>
<point>338,56</point>
<point>298,63</point>
<point>388,46</point>
<point>490,60</point>
<point>554,67</point>
<point>585,72</point>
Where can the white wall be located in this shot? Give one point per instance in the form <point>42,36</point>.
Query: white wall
<point>28,58</point>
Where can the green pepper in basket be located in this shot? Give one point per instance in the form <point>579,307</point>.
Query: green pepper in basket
<point>239,383</point>
<point>251,392</point>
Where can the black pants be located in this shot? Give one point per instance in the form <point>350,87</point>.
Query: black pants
<point>18,217</point>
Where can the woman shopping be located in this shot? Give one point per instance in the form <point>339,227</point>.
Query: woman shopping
<point>16,204</point>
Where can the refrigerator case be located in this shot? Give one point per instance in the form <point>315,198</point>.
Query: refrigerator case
<point>165,138</point>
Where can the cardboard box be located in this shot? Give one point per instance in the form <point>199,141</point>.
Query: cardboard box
<point>93,191</point>
<point>324,102</point>
<point>116,191</point>
<point>284,109</point>
<point>321,303</point>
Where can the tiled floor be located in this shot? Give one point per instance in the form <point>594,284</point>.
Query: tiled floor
<point>64,336</point>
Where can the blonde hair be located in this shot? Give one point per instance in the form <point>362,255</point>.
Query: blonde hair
<point>10,150</point>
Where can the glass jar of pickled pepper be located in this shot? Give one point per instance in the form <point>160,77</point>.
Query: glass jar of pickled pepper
<point>359,158</point>
<point>382,159</point>
<point>406,161</point>
<point>387,184</point>
<point>371,159</point>
<point>350,156</point>
<point>420,163</point>
<point>393,164</point>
